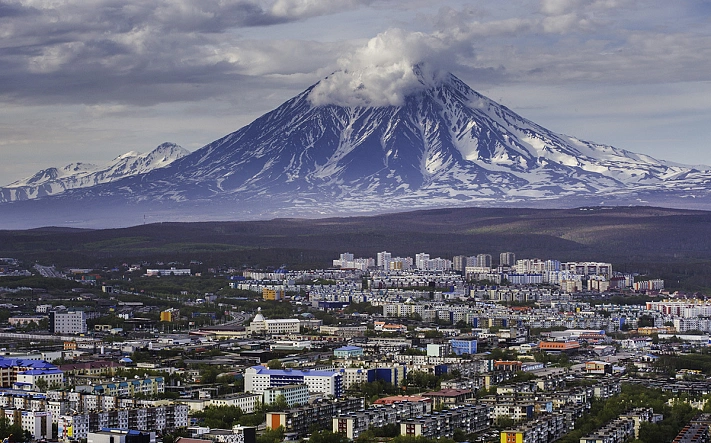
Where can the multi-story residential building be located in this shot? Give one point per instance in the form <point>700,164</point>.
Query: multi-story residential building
<point>37,423</point>
<point>25,320</point>
<point>32,378</point>
<point>484,261</point>
<point>347,261</point>
<point>383,260</point>
<point>459,263</point>
<point>616,431</point>
<point>319,415</point>
<point>588,268</point>
<point>516,411</point>
<point>468,418</point>
<point>67,322</point>
<point>155,418</point>
<point>10,368</point>
<point>377,416</point>
<point>421,260</point>
<point>90,368</point>
<point>463,346</point>
<point>246,402</point>
<point>293,394</point>
<point>507,259</point>
<point>344,331</point>
<point>438,350</point>
<point>258,378</point>
<point>543,429</point>
<point>126,387</point>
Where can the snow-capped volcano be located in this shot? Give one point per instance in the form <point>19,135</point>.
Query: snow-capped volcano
<point>53,181</point>
<point>444,145</point>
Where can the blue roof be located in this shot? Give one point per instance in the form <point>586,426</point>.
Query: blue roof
<point>349,348</point>
<point>41,371</point>
<point>24,363</point>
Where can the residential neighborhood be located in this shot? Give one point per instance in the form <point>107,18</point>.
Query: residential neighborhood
<point>466,349</point>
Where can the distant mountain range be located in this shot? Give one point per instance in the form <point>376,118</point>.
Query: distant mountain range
<point>446,145</point>
<point>54,181</point>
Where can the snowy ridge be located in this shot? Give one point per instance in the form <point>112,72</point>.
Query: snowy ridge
<point>446,145</point>
<point>54,181</point>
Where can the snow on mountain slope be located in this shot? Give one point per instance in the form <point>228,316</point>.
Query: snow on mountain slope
<point>446,144</point>
<point>54,181</point>
<point>443,145</point>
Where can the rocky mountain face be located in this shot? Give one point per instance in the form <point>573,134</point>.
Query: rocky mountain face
<point>54,181</point>
<point>446,145</point>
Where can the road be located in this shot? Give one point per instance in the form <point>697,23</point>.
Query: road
<point>48,271</point>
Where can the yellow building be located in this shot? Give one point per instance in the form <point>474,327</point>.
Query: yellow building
<point>512,436</point>
<point>170,315</point>
<point>272,294</point>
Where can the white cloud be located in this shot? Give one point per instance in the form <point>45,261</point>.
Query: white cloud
<point>392,65</point>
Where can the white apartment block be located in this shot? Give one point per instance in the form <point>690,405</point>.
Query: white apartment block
<point>246,402</point>
<point>275,326</point>
<point>258,378</point>
<point>68,322</point>
<point>293,394</point>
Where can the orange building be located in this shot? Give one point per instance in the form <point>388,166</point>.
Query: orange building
<point>559,346</point>
<point>272,294</point>
<point>170,315</point>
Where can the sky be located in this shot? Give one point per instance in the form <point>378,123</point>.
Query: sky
<point>89,80</point>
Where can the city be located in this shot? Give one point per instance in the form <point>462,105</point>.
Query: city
<point>469,349</point>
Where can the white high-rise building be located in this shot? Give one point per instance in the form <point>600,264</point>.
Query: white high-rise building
<point>383,260</point>
<point>507,259</point>
<point>421,260</point>
<point>483,260</point>
<point>258,378</point>
<point>459,263</point>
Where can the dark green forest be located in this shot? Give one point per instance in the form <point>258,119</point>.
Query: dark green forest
<point>663,243</point>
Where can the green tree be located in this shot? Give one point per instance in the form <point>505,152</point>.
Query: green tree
<point>326,436</point>
<point>221,417</point>
<point>41,384</point>
<point>271,435</point>
<point>275,364</point>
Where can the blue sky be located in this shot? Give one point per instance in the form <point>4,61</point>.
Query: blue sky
<point>88,80</point>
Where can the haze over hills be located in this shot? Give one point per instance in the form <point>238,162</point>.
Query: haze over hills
<point>441,145</point>
<point>669,243</point>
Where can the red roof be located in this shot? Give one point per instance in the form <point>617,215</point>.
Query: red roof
<point>401,398</point>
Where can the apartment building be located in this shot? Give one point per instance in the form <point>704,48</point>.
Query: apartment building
<point>468,418</point>
<point>156,418</point>
<point>377,416</point>
<point>67,322</point>
<point>258,378</point>
<point>293,394</point>
<point>319,414</point>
